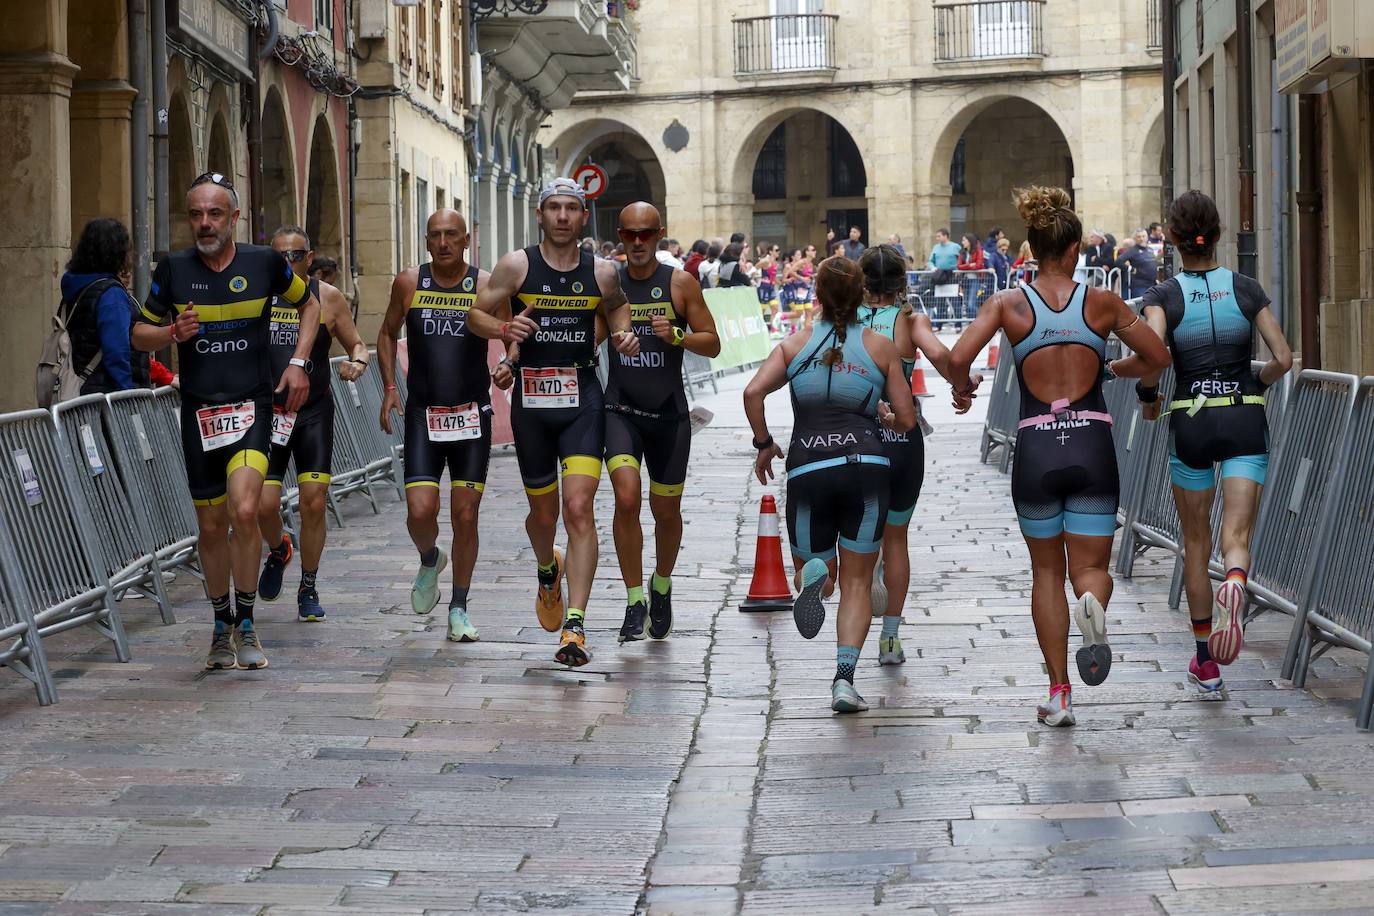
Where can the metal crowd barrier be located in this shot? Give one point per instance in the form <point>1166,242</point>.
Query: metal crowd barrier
<point>21,649</point>
<point>1337,606</point>
<point>951,303</point>
<point>144,426</point>
<point>697,373</point>
<point>105,477</point>
<point>1004,409</point>
<point>358,455</point>
<point>42,506</point>
<point>1149,517</point>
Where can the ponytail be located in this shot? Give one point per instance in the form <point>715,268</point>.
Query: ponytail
<point>839,292</point>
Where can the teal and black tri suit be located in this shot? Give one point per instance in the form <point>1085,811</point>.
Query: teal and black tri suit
<point>1064,478</point>
<point>557,405</point>
<point>309,433</point>
<point>1217,414</point>
<point>646,406</point>
<point>837,464</point>
<point>906,451</point>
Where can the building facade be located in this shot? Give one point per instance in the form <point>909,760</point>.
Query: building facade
<point>1306,121</point>
<point>785,118</point>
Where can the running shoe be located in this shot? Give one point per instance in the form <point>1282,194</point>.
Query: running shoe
<point>424,594</point>
<point>548,600</point>
<point>1228,633</point>
<point>890,651</point>
<point>1205,676</point>
<point>572,647</point>
<point>844,698</point>
<point>808,610</point>
<point>222,655</point>
<point>1057,710</point>
<point>460,628</point>
<point>248,647</point>
<point>1095,657</point>
<point>269,583</point>
<point>660,614</point>
<point>878,593</point>
<point>308,609</point>
<point>632,630</point>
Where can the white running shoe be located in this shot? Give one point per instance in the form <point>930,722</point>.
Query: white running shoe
<point>460,628</point>
<point>1228,612</point>
<point>890,651</point>
<point>424,593</point>
<point>1057,710</point>
<point>844,698</point>
<point>1095,657</point>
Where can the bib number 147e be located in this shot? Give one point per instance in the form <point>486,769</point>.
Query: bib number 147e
<point>549,387</point>
<point>224,424</point>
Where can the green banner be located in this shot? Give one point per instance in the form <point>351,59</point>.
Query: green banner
<point>740,323</point>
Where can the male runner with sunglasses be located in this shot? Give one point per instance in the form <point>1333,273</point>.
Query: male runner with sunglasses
<point>646,415</point>
<point>556,291</point>
<point>307,434</point>
<point>217,296</point>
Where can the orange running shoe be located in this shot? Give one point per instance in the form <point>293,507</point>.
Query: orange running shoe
<point>548,600</point>
<point>572,648</point>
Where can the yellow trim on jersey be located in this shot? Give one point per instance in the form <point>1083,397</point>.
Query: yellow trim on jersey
<point>439,299</point>
<point>581,466</point>
<point>212,501</point>
<point>616,462</point>
<point>297,292</point>
<point>469,485</point>
<point>567,303</point>
<point>423,483</point>
<point>314,477</point>
<point>284,315</point>
<point>540,491</point>
<point>248,458</point>
<point>228,311</point>
<point>155,319</point>
<point>647,311</point>
<point>665,489</point>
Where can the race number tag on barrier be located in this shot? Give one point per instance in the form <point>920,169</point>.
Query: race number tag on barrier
<point>33,491</point>
<point>282,425</point>
<point>454,424</point>
<point>92,453</point>
<point>549,387</point>
<point>145,448</point>
<point>224,425</point>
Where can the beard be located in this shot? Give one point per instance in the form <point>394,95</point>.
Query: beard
<point>211,245</point>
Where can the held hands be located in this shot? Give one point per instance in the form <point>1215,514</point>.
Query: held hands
<point>296,385</point>
<point>519,328</point>
<point>1152,410</point>
<point>885,415</point>
<point>186,325</point>
<point>626,342</point>
<point>963,400</point>
<point>391,403</point>
<point>763,462</point>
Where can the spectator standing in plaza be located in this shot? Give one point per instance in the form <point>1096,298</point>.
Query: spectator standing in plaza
<point>1139,269</point>
<point>895,241</point>
<point>944,255</point>
<point>970,253</point>
<point>1098,252</point>
<point>1025,261</point>
<point>853,247</point>
<point>710,267</point>
<point>995,235</point>
<point>1000,261</point>
<point>733,269</point>
<point>695,256</point>
<point>100,311</point>
<point>668,250</point>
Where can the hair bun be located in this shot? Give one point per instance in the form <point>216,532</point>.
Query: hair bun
<point>1039,206</point>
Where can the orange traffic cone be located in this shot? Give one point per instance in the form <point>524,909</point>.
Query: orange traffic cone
<point>769,590</point>
<point>918,379</point>
<point>992,356</point>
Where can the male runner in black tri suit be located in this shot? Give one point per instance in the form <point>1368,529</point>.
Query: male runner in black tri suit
<point>307,434</point>
<point>556,291</point>
<point>448,414</point>
<point>216,295</point>
<point>646,415</point>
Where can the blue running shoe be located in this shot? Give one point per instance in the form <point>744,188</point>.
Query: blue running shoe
<point>269,583</point>
<point>460,628</point>
<point>424,594</point>
<point>308,606</point>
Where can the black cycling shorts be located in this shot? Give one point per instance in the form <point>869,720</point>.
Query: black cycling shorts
<point>207,471</point>
<point>844,503</point>
<point>312,444</point>
<point>425,460</point>
<point>550,440</point>
<point>1235,436</point>
<point>663,444</point>
<point>1064,478</point>
<point>907,453</point>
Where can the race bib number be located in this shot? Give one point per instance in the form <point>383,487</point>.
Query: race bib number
<point>283,422</point>
<point>454,424</point>
<point>225,424</point>
<point>549,387</point>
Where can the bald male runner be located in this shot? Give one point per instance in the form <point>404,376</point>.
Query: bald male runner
<point>646,415</point>
<point>448,416</point>
<point>556,292</point>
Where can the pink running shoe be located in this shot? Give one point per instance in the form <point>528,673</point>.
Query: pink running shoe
<point>1228,611</point>
<point>1057,710</point>
<point>1205,676</point>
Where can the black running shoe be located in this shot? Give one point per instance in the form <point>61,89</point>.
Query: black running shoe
<point>269,583</point>
<point>660,614</point>
<point>308,606</point>
<point>632,629</point>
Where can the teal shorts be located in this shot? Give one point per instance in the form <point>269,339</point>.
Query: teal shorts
<point>1251,467</point>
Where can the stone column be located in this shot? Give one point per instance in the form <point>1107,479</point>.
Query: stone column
<point>518,223</point>
<point>100,122</point>
<point>35,236</point>
<point>504,228</point>
<point>488,240</point>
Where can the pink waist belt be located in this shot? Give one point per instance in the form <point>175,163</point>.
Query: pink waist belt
<point>1059,412</point>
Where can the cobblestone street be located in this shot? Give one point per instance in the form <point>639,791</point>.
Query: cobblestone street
<point>377,768</point>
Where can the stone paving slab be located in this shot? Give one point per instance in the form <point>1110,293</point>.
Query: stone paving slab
<point>377,768</point>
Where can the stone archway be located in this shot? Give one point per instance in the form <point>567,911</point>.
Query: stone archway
<point>219,153</point>
<point>182,168</point>
<point>322,219</point>
<point>279,200</point>
<point>631,165</point>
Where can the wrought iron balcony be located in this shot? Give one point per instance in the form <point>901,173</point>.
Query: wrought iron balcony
<point>793,43</point>
<point>989,29</point>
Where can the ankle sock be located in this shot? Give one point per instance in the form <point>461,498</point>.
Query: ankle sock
<point>575,618</point>
<point>1202,629</point>
<point>548,573</point>
<point>308,578</point>
<point>223,614</point>
<point>635,595</point>
<point>460,597</point>
<point>661,584</point>
<point>243,606</point>
<point>890,625</point>
<point>846,660</point>
<point>431,557</point>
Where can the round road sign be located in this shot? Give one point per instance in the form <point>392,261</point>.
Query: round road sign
<point>592,178</point>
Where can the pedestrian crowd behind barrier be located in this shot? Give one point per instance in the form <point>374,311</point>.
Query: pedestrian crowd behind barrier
<point>955,302</point>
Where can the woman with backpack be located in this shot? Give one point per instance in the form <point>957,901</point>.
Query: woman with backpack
<point>99,311</point>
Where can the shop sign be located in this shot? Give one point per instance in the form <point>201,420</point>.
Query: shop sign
<point>214,27</point>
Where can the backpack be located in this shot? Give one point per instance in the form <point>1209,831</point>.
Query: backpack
<point>57,379</point>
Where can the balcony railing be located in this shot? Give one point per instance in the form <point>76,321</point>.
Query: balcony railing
<point>794,43</point>
<point>1154,36</point>
<point>986,29</point>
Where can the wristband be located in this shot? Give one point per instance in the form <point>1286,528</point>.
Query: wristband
<point>392,388</point>
<point>1146,395</point>
<point>678,336</point>
<point>766,443</point>
<point>505,331</point>
<point>172,330</point>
